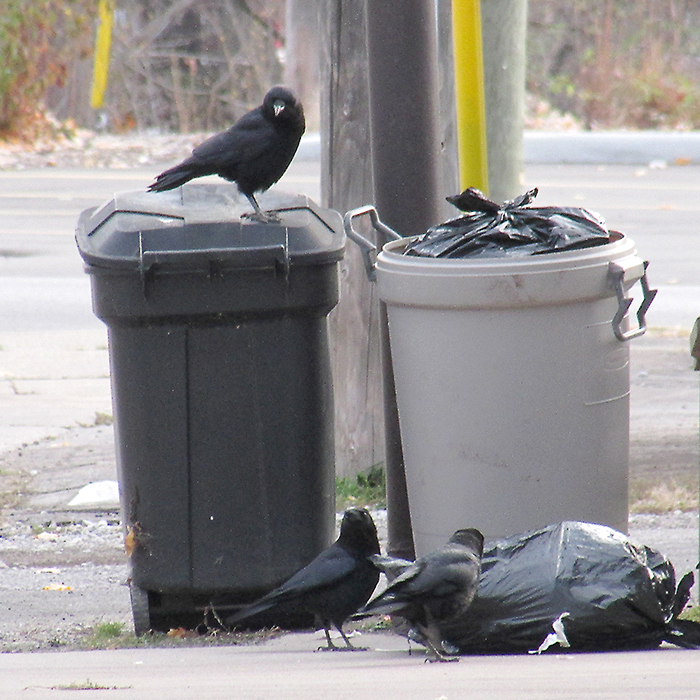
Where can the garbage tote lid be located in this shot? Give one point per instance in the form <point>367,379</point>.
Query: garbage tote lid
<point>188,227</point>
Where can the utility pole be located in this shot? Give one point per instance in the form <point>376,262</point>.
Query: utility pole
<point>404,127</point>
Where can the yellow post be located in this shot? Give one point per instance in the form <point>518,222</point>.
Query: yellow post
<point>469,92</point>
<point>103,43</point>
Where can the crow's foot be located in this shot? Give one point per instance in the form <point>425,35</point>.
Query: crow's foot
<point>263,217</point>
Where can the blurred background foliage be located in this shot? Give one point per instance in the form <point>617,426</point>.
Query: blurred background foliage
<point>176,65</point>
<point>617,63</point>
<point>39,40</point>
<point>193,65</point>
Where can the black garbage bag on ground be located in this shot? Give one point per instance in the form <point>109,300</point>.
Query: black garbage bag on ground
<point>573,586</point>
<point>488,229</point>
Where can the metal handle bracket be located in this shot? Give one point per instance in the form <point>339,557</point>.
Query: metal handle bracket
<point>369,249</point>
<point>617,275</point>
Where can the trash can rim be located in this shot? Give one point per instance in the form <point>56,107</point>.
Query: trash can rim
<point>106,243</point>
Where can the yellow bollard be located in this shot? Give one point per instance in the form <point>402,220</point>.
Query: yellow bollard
<point>103,43</point>
<point>469,92</point>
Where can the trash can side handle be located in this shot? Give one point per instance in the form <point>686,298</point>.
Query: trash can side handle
<point>617,275</point>
<point>369,249</point>
<point>695,344</point>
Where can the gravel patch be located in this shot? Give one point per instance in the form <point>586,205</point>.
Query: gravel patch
<point>65,539</point>
<point>63,574</point>
<point>673,534</point>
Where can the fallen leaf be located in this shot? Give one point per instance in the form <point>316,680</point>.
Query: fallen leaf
<point>130,542</point>
<point>135,537</point>
<point>180,633</point>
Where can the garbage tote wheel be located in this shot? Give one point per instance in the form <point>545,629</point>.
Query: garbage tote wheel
<point>139,609</point>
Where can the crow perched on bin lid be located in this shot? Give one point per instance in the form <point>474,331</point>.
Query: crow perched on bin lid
<point>254,153</point>
<point>334,585</point>
<point>436,588</point>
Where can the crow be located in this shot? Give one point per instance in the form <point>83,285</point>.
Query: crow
<point>334,585</point>
<point>435,589</point>
<point>254,153</point>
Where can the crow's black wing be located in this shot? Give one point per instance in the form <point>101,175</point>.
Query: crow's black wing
<point>329,567</point>
<point>393,598</point>
<point>250,138</point>
<point>439,575</point>
<point>221,154</point>
<point>326,570</point>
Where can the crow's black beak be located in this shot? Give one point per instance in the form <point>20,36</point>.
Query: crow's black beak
<point>278,107</point>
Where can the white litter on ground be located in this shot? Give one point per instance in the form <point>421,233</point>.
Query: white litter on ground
<point>97,493</point>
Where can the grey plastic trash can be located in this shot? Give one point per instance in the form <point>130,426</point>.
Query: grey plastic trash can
<point>222,390</point>
<point>512,385</point>
<point>695,353</point>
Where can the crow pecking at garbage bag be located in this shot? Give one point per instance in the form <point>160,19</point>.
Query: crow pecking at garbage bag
<point>334,585</point>
<point>436,588</point>
<point>254,153</point>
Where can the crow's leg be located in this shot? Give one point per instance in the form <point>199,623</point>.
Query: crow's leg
<point>345,638</point>
<point>439,654</point>
<point>332,647</point>
<point>348,645</point>
<point>429,636</point>
<point>259,214</point>
<point>329,641</point>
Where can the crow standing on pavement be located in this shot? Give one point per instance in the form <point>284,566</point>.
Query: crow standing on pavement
<point>436,588</point>
<point>254,153</point>
<point>334,585</point>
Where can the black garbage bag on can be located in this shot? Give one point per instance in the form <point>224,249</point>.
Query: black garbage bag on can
<point>488,229</point>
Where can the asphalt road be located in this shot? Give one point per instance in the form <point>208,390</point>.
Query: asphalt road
<point>41,275</point>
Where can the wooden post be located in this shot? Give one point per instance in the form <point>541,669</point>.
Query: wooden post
<point>302,41</point>
<point>346,183</point>
<point>417,169</point>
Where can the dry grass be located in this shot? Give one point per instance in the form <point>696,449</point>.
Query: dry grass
<point>664,498</point>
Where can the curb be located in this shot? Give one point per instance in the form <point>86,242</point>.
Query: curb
<point>584,147</point>
<point>611,147</point>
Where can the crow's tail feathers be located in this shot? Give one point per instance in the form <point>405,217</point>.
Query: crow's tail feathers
<point>170,179</point>
<point>383,605</point>
<point>251,611</point>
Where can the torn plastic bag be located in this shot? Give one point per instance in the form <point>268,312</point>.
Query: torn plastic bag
<point>572,587</point>
<point>487,229</point>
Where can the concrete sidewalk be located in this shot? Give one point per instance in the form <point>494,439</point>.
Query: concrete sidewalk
<point>288,668</point>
